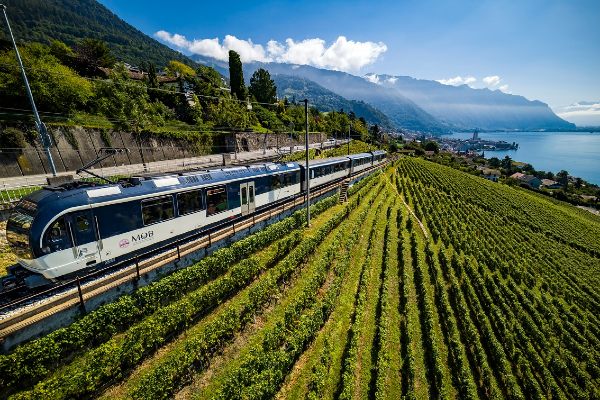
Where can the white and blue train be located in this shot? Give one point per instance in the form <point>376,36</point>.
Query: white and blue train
<point>60,231</point>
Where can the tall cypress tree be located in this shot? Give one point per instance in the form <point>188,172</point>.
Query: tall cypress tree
<point>236,76</point>
<point>262,86</point>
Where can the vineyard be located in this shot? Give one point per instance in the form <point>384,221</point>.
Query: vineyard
<point>427,283</point>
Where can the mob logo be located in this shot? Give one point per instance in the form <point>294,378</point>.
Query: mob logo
<point>142,237</point>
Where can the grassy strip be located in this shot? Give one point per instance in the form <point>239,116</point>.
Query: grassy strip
<point>263,369</point>
<point>317,374</point>
<point>384,385</point>
<point>457,359</point>
<point>486,381</point>
<point>437,372</point>
<point>406,350</point>
<point>352,354</point>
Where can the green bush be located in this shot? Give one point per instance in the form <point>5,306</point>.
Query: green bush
<point>12,138</point>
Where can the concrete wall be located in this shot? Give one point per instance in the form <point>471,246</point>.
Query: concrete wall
<point>248,141</point>
<point>77,146</point>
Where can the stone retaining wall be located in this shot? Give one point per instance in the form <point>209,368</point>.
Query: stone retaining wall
<point>77,146</point>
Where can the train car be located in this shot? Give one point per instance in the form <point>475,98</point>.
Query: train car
<point>378,156</point>
<point>359,162</point>
<point>59,231</point>
<point>325,171</point>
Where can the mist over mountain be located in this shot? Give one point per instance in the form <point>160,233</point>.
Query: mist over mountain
<point>297,89</point>
<point>418,104</point>
<point>582,113</point>
<point>465,108</point>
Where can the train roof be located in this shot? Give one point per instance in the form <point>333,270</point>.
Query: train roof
<point>325,161</point>
<point>71,195</point>
<point>360,155</point>
<point>378,152</point>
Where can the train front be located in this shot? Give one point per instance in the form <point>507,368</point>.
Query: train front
<point>21,228</point>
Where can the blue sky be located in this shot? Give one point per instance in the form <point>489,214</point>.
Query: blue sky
<point>547,50</point>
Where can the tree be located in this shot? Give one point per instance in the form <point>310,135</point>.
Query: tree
<point>176,68</point>
<point>91,54</point>
<point>432,146</point>
<point>63,52</point>
<point>506,163</point>
<point>262,87</point>
<point>494,162</point>
<point>563,178</point>
<point>128,102</point>
<point>55,87</point>
<point>152,78</point>
<point>236,76</point>
<point>374,134</point>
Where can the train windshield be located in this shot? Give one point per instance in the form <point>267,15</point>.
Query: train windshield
<point>18,228</point>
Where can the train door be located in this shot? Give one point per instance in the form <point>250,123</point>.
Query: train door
<point>251,198</point>
<point>247,198</point>
<point>86,248</point>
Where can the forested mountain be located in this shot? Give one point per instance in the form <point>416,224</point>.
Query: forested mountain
<point>297,89</point>
<point>72,20</point>
<point>465,108</point>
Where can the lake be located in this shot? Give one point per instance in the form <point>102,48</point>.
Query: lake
<point>576,152</point>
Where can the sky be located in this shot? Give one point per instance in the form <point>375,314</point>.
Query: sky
<point>546,50</point>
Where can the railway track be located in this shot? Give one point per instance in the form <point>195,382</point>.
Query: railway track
<point>23,312</point>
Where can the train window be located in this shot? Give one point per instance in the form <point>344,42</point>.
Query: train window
<point>82,223</point>
<point>293,177</point>
<point>251,194</point>
<point>216,200</point>
<point>157,209</point>
<point>244,196</point>
<point>119,218</point>
<point>56,238</point>
<point>276,182</point>
<point>189,202</point>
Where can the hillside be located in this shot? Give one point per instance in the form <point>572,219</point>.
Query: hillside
<point>326,100</point>
<point>401,111</point>
<point>70,21</point>
<point>466,108</point>
<point>466,289</point>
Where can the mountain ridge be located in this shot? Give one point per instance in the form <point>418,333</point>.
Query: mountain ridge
<point>69,21</point>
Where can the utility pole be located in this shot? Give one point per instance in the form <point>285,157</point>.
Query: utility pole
<point>44,137</point>
<point>349,125</point>
<point>307,178</point>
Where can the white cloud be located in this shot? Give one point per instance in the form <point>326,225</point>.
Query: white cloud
<point>342,54</point>
<point>373,78</point>
<point>458,80</point>
<point>392,79</point>
<point>491,81</point>
<point>504,88</point>
<point>581,113</point>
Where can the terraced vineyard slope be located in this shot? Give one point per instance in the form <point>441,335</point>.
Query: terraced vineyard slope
<point>428,283</point>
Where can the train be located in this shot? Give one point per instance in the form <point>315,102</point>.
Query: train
<point>62,231</point>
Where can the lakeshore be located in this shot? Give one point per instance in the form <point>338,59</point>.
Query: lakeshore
<point>576,152</point>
